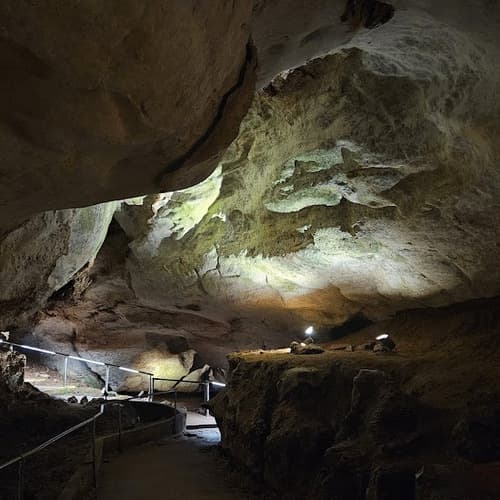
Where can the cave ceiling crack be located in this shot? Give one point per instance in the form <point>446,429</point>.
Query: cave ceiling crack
<point>201,141</point>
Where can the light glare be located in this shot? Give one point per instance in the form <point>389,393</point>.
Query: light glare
<point>91,361</point>
<point>37,349</point>
<point>131,370</point>
<point>309,330</point>
<point>382,337</point>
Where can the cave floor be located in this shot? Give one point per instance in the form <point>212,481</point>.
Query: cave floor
<point>186,467</point>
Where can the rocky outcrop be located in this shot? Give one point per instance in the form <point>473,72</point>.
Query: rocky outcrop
<point>370,426</point>
<point>103,101</point>
<point>350,184</point>
<point>44,254</point>
<point>11,371</point>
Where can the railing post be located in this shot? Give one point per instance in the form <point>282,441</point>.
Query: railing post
<point>65,382</point>
<point>106,383</point>
<point>206,392</point>
<point>20,479</point>
<point>151,388</point>
<point>175,399</point>
<point>120,449</point>
<point>94,456</point>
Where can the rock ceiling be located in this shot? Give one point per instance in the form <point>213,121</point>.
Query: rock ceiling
<point>107,100</point>
<point>364,179</point>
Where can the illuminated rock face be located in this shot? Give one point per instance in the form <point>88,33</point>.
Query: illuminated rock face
<point>44,253</point>
<point>107,100</point>
<point>158,351</point>
<point>333,425</point>
<point>366,180</point>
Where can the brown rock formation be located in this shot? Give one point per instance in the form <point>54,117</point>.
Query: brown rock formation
<point>107,100</point>
<point>418,423</point>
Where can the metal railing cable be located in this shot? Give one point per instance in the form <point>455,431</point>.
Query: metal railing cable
<point>204,383</point>
<point>21,459</point>
<point>67,357</point>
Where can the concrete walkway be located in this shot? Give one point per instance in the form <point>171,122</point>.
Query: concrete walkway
<point>183,468</point>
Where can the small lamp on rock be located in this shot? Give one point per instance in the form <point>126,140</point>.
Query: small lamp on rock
<point>386,341</point>
<point>309,331</point>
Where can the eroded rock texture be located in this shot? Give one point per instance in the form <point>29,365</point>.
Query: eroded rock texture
<point>44,254</point>
<point>418,423</point>
<point>106,100</point>
<point>365,180</point>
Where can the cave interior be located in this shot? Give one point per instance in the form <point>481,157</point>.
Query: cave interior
<point>249,249</point>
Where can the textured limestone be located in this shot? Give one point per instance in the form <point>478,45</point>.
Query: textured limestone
<point>366,426</point>
<point>102,335</point>
<point>365,180</point>
<point>103,101</point>
<point>290,32</point>
<point>11,371</point>
<point>44,253</point>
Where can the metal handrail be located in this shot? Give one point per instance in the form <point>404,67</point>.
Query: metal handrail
<point>54,439</point>
<point>205,383</point>
<point>47,443</point>
<point>20,459</point>
<point>66,356</point>
<point>178,380</point>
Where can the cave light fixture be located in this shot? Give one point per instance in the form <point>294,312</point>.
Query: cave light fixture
<point>386,340</point>
<point>309,331</point>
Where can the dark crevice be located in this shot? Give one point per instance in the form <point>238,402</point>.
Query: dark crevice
<point>367,13</point>
<point>179,162</point>
<point>352,325</point>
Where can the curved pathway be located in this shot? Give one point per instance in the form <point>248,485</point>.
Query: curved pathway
<point>182,468</point>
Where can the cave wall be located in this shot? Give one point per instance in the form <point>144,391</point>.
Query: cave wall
<point>363,181</point>
<point>421,422</point>
<point>43,254</point>
<point>352,179</point>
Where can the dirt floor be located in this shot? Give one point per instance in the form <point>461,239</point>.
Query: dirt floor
<point>186,467</point>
